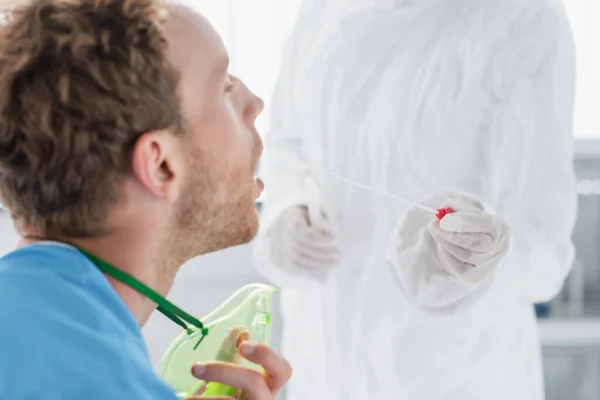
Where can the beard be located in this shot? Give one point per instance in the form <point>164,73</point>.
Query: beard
<point>214,212</point>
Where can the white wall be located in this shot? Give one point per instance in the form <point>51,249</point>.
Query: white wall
<point>584,16</point>
<point>8,236</point>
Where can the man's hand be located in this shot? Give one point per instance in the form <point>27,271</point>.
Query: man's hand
<point>253,384</point>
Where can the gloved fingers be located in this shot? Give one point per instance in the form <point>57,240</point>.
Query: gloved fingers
<point>457,253</point>
<point>319,241</point>
<point>318,268</point>
<point>289,222</point>
<point>466,222</point>
<point>317,236</point>
<point>324,264</point>
<point>467,259</point>
<point>453,249</point>
<point>317,254</point>
<point>468,266</point>
<point>473,242</point>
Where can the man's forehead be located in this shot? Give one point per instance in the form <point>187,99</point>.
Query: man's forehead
<point>190,35</point>
<point>185,18</point>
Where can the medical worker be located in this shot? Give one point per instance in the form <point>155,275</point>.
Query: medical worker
<point>125,148</point>
<point>462,104</point>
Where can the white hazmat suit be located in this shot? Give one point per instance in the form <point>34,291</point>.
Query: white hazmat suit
<point>412,97</point>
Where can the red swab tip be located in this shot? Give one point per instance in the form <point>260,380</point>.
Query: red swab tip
<point>442,212</point>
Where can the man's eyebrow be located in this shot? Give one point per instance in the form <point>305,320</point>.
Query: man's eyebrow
<point>223,65</point>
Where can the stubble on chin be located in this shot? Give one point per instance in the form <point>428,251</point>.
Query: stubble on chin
<point>212,217</point>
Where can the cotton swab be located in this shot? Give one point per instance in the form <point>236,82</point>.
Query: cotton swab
<point>440,213</point>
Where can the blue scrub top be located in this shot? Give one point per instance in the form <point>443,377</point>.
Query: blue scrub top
<point>66,334</point>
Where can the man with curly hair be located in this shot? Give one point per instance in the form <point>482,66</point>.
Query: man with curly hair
<point>125,142</point>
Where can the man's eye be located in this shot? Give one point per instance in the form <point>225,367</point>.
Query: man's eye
<point>230,84</point>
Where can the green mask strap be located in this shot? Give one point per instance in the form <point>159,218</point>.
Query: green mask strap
<point>167,308</point>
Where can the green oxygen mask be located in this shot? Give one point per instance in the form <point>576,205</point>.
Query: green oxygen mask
<point>247,311</point>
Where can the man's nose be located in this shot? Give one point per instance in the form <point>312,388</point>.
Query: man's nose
<point>261,104</point>
<point>257,105</point>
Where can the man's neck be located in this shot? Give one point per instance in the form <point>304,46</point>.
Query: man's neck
<point>130,253</point>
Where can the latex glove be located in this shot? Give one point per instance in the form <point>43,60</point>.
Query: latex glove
<point>470,242</point>
<point>301,248</point>
<point>445,266</point>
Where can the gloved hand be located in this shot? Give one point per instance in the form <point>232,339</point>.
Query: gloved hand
<point>446,265</point>
<point>469,242</point>
<point>301,248</point>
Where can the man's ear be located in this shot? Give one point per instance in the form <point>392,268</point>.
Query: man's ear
<point>157,164</point>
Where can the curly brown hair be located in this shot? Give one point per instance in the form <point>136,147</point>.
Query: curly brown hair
<point>80,81</point>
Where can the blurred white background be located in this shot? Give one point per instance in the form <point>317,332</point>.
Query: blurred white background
<point>585,18</point>
<point>254,31</point>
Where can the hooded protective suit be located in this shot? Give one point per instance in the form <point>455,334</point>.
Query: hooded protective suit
<point>411,97</point>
